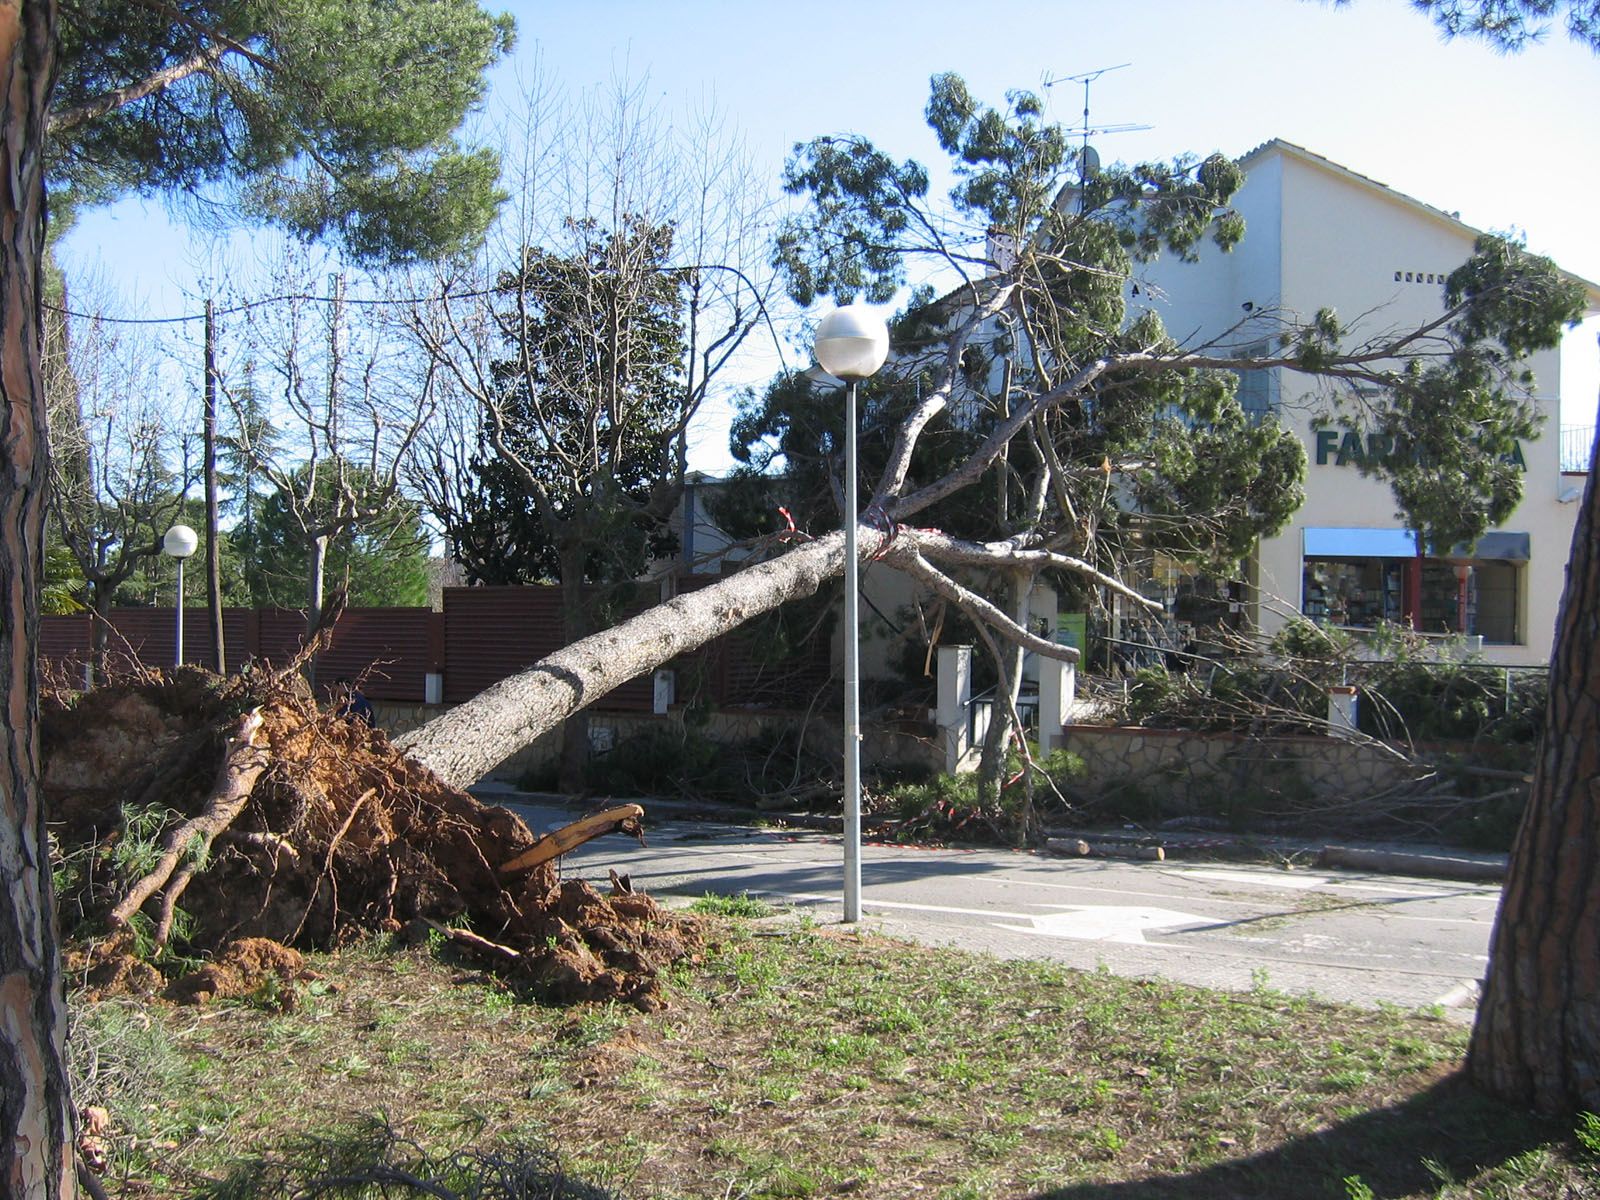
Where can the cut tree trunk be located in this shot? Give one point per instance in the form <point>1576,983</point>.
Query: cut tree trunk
<point>1537,1037</point>
<point>466,743</point>
<point>36,1144</point>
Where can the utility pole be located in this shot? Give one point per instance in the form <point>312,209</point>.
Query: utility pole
<point>213,549</point>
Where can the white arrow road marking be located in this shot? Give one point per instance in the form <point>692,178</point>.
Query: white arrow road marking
<point>1109,923</point>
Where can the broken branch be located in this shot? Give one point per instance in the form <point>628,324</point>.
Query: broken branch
<point>1005,554</point>
<point>625,817</point>
<point>907,558</point>
<point>476,942</point>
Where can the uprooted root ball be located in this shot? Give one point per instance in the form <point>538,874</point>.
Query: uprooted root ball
<point>340,836</point>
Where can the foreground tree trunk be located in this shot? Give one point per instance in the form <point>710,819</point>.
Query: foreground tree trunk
<point>1537,1037</point>
<point>35,1108</point>
<point>464,744</point>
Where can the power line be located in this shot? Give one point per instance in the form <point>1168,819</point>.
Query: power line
<point>246,306</point>
<point>379,302</point>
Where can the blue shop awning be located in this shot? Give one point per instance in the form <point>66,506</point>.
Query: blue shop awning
<point>1344,542</point>
<point>1334,542</point>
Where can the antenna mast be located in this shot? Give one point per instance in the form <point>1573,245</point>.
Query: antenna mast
<point>1087,166</point>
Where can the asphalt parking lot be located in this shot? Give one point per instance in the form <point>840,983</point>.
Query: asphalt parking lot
<point>1354,936</point>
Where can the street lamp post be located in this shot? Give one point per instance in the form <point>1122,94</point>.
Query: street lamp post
<point>851,344</point>
<point>180,542</point>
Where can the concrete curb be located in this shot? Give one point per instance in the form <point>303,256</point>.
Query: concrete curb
<point>1480,868</point>
<point>1388,858</point>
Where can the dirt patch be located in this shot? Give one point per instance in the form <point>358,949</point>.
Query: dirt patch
<point>339,835</point>
<point>607,947</point>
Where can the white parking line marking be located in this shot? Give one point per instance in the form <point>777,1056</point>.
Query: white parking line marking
<point>1299,881</point>
<point>1463,995</point>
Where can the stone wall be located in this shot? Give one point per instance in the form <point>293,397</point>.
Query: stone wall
<point>1218,763</point>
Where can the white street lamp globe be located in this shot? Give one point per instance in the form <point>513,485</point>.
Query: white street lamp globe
<point>852,342</point>
<point>180,541</point>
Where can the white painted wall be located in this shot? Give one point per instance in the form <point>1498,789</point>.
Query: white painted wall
<point>1316,237</point>
<point>1201,301</point>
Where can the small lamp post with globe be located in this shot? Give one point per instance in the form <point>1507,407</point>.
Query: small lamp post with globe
<point>852,342</point>
<point>180,542</point>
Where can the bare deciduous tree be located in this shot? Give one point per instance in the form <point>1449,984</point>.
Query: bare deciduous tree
<point>580,348</point>
<point>346,401</point>
<point>118,471</point>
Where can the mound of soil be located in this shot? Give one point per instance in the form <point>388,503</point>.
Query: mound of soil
<point>245,968</point>
<point>340,836</point>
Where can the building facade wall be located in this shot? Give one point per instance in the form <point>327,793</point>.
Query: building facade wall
<point>1379,260</point>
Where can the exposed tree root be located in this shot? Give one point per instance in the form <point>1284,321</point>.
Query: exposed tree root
<point>294,827</point>
<point>625,818</point>
<point>241,767</point>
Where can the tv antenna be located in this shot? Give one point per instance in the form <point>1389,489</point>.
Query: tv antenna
<point>1089,161</point>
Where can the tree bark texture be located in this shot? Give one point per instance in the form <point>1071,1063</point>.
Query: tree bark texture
<point>462,745</point>
<point>35,1107</point>
<point>100,632</point>
<point>573,766</point>
<point>1537,1037</point>
<point>1007,691</point>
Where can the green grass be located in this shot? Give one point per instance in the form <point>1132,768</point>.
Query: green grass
<point>742,905</point>
<point>797,1061</point>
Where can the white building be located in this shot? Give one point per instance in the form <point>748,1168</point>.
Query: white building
<point>1319,235</point>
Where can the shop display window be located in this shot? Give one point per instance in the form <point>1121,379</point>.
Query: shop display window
<point>1353,592</point>
<point>1480,596</point>
<point>1495,586</point>
<point>1441,593</point>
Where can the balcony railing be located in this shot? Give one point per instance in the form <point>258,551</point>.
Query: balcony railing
<point>1576,443</point>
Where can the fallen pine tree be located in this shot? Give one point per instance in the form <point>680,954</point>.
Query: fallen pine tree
<point>195,816</point>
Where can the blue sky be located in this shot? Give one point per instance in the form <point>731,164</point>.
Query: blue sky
<point>1509,141</point>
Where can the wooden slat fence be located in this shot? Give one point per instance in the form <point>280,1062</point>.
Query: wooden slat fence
<point>482,636</point>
